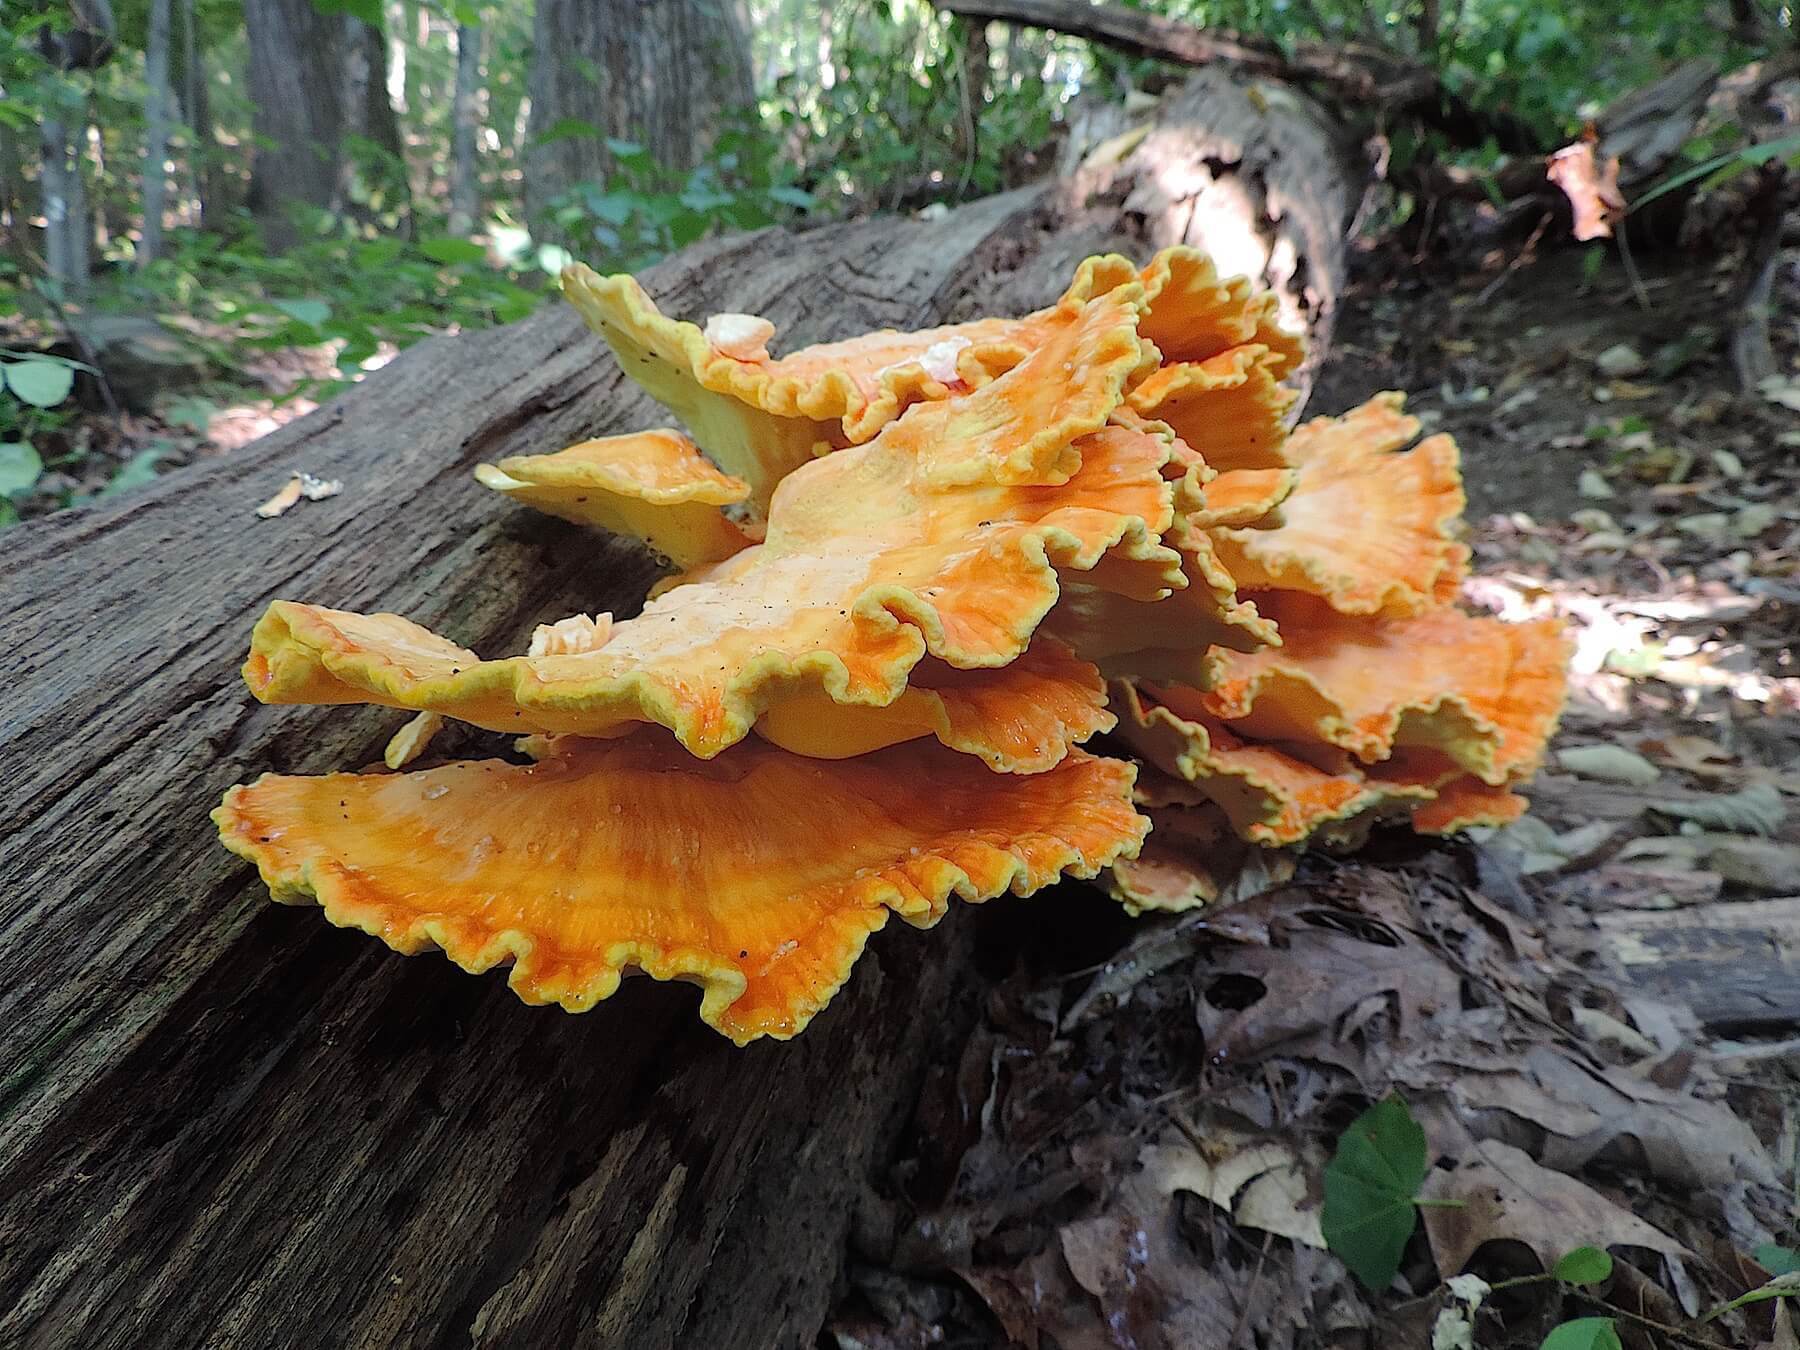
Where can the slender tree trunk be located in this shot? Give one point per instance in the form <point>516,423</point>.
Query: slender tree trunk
<point>465,193</point>
<point>13,231</point>
<point>66,229</point>
<point>663,75</point>
<point>189,84</point>
<point>973,89</point>
<point>156,132</point>
<point>369,113</point>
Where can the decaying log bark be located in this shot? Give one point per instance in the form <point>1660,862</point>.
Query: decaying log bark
<point>227,1123</point>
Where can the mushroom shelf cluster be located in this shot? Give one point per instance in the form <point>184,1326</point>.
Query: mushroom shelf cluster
<point>914,574</point>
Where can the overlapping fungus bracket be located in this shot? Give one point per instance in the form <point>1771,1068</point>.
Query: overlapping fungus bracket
<point>915,572</point>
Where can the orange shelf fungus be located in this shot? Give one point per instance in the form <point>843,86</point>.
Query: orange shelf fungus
<point>631,854</point>
<point>1194,314</point>
<point>1230,408</point>
<point>1484,693</point>
<point>1367,525</point>
<point>917,571</point>
<point>651,485</point>
<point>1375,698</point>
<point>875,557</point>
<point>1019,718</point>
<point>761,417</point>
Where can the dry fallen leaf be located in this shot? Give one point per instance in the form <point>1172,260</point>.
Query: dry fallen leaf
<point>1608,764</point>
<point>1590,186</point>
<point>1504,1194</point>
<point>1261,1185</point>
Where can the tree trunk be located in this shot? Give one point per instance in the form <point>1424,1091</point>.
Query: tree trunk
<point>297,93</point>
<point>384,198</point>
<point>189,83</point>
<point>316,79</point>
<point>663,75</point>
<point>223,1121</point>
<point>14,232</point>
<point>465,188</point>
<point>156,132</point>
<point>972,88</point>
<point>67,230</point>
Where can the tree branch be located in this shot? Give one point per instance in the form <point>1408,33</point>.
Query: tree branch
<point>1353,72</point>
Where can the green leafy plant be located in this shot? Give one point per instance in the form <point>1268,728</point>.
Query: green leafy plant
<point>1721,168</point>
<point>20,469</point>
<point>42,381</point>
<point>644,211</point>
<point>1776,1259</point>
<point>1584,1333</point>
<point>1584,1265</point>
<point>1372,1190</point>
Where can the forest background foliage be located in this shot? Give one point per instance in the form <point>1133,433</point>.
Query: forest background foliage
<point>345,177</point>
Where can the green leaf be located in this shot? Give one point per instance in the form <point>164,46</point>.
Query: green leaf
<point>1777,1260</point>
<point>19,467</point>
<point>614,208</point>
<point>626,150</point>
<point>369,11</point>
<point>1782,1286</point>
<point>1584,1265</point>
<point>448,250</point>
<point>1584,1333</point>
<point>1370,1186</point>
<point>568,129</point>
<point>135,472</point>
<point>791,196</point>
<point>41,383</point>
<point>1749,156</point>
<point>312,313</point>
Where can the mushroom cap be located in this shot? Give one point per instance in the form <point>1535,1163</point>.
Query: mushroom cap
<point>944,535</point>
<point>1231,407</point>
<point>1366,526</point>
<point>1194,314</point>
<point>1485,693</point>
<point>631,853</point>
<point>1273,793</point>
<point>651,485</point>
<point>761,417</point>
<point>1023,717</point>
<point>1192,858</point>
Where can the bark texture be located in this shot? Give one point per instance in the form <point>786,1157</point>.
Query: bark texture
<point>315,79</point>
<point>465,188</point>
<point>663,75</point>
<point>227,1123</point>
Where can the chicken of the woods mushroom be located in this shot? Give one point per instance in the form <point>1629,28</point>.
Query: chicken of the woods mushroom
<point>912,575</point>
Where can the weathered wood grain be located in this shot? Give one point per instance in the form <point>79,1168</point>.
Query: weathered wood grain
<point>224,1123</point>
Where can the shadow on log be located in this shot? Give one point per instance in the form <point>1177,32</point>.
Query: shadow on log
<point>226,1123</point>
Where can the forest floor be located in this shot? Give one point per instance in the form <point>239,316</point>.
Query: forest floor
<point>1593,1014</point>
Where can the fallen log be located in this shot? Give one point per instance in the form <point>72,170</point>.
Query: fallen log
<point>227,1123</point>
